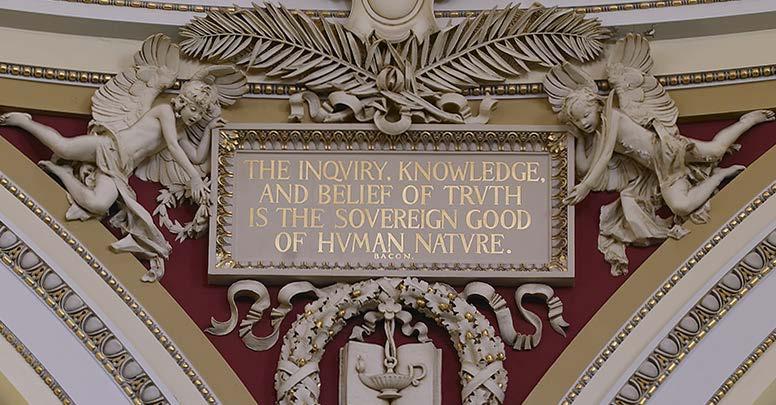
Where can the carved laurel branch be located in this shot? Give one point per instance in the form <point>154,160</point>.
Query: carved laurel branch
<point>480,349</point>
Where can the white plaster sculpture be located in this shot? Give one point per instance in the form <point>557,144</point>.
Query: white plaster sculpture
<point>389,380</point>
<point>365,377</point>
<point>480,349</point>
<point>373,69</point>
<point>393,20</point>
<point>167,143</point>
<point>628,142</point>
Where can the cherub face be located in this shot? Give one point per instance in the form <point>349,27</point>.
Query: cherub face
<point>186,110</point>
<point>585,115</point>
<point>87,174</point>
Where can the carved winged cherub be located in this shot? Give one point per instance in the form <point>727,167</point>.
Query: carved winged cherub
<point>629,142</point>
<point>130,134</point>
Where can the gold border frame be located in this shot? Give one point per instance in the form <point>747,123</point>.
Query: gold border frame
<point>428,138</point>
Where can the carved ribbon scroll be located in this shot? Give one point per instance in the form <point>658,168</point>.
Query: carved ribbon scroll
<point>498,304</point>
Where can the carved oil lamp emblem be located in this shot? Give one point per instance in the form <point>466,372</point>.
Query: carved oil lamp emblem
<point>390,383</point>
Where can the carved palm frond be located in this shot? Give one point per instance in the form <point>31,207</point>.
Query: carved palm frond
<point>286,44</point>
<point>502,43</point>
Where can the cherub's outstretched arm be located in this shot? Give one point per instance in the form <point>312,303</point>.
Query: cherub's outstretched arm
<point>166,117</point>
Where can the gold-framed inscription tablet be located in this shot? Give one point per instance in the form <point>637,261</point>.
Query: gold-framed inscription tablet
<point>344,202</point>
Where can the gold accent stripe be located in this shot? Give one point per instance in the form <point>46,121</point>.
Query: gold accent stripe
<point>114,284</point>
<point>742,369</point>
<point>258,89</point>
<point>57,298</point>
<point>172,327</point>
<point>604,333</point>
<point>9,393</point>
<point>726,296</point>
<point>669,283</point>
<point>35,364</point>
<point>201,8</point>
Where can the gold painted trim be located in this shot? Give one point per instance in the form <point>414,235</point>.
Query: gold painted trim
<point>265,89</point>
<point>9,393</point>
<point>201,8</point>
<point>662,291</point>
<point>105,275</point>
<point>620,315</point>
<point>35,364</point>
<point>694,103</point>
<point>430,139</point>
<point>58,298</point>
<point>686,339</point>
<point>742,369</point>
<point>159,312</point>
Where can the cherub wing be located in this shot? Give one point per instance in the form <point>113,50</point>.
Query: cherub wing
<point>121,101</point>
<point>565,79</point>
<point>640,94</point>
<point>230,84</point>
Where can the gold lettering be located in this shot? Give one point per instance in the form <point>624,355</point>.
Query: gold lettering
<point>258,217</point>
<point>271,170</point>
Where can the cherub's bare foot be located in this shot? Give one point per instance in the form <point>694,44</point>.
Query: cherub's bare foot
<point>759,116</point>
<point>13,119</point>
<point>702,215</point>
<point>55,169</point>
<point>728,172</point>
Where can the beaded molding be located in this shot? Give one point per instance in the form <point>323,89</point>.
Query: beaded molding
<point>745,366</point>
<point>260,90</point>
<point>35,364</point>
<point>115,285</point>
<point>202,8</point>
<point>699,320</point>
<point>630,325</point>
<point>76,315</point>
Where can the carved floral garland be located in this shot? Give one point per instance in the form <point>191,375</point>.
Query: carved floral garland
<point>480,350</point>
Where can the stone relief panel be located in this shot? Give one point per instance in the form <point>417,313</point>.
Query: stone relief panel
<point>392,67</point>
